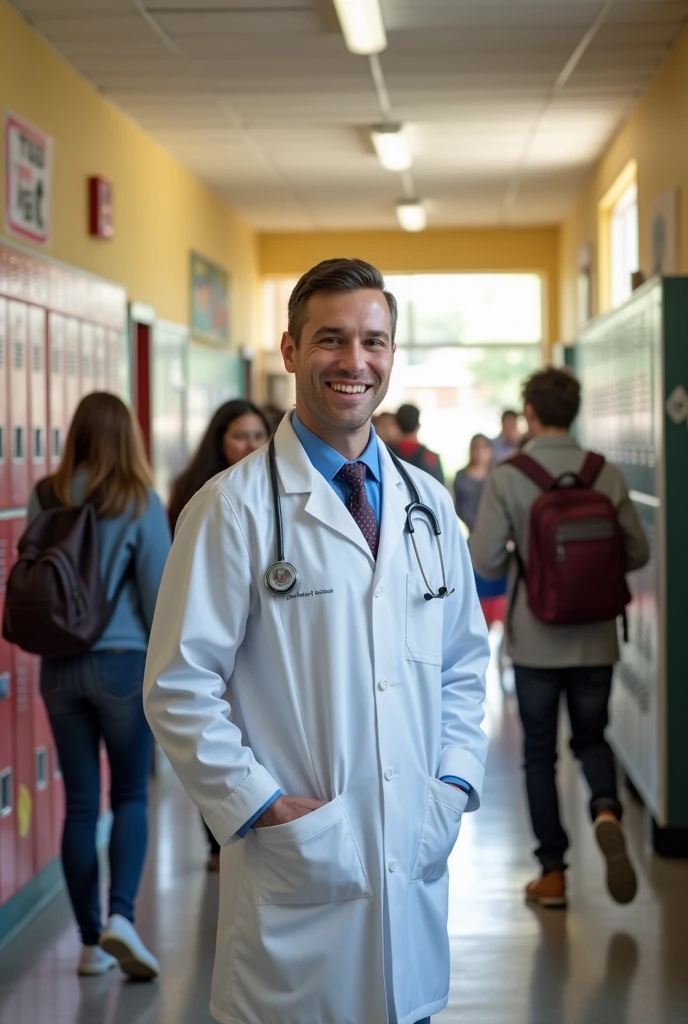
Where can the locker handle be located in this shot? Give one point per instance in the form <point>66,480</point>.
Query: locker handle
<point>5,685</point>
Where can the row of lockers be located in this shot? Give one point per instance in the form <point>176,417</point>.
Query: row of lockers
<point>31,789</point>
<point>47,362</point>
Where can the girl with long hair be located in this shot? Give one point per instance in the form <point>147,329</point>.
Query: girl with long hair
<point>96,696</point>
<point>237,429</point>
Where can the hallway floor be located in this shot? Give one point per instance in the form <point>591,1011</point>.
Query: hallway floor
<point>595,964</point>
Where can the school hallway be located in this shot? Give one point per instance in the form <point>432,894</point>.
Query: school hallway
<point>597,963</point>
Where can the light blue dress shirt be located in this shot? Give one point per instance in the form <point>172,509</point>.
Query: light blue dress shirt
<point>328,462</point>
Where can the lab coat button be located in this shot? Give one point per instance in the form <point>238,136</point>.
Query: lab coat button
<point>383,684</point>
<point>389,773</point>
<point>392,865</point>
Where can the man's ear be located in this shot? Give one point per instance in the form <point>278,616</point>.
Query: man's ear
<point>288,347</point>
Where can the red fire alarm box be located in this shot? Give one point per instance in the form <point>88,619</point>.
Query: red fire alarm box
<point>100,208</point>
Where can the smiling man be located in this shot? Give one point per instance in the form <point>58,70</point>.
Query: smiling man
<point>332,742</point>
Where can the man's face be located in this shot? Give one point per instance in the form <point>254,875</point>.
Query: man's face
<point>344,358</point>
<point>510,431</point>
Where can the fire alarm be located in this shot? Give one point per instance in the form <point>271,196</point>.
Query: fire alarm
<point>100,208</point>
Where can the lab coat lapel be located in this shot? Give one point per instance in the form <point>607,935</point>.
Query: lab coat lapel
<point>394,502</point>
<point>298,476</point>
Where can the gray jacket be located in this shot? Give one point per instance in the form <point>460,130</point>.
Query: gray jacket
<point>504,516</point>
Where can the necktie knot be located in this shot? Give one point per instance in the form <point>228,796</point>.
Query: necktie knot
<point>353,474</point>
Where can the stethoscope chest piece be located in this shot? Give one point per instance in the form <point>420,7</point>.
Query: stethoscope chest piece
<point>281,577</point>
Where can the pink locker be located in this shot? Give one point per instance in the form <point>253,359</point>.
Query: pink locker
<point>5,500</point>
<point>38,399</point>
<point>43,831</point>
<point>22,713</point>
<point>57,418</point>
<point>72,374</point>
<point>8,810</point>
<point>87,359</point>
<point>100,381</point>
<point>18,403</point>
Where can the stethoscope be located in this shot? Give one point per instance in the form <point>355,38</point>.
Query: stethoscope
<point>281,577</point>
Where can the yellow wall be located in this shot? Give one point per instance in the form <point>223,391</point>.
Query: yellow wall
<point>447,251</point>
<point>161,210</point>
<point>655,135</point>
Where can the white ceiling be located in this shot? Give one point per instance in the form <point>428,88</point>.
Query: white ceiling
<point>508,102</point>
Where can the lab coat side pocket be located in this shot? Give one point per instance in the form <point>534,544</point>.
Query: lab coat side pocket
<point>444,809</point>
<point>314,859</point>
<point>424,622</point>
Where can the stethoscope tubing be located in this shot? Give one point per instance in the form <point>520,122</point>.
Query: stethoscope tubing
<point>415,507</point>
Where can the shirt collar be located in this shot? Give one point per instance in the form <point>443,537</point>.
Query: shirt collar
<point>326,460</point>
<point>552,441</point>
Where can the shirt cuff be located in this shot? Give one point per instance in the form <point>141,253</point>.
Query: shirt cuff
<point>243,831</point>
<point>454,781</point>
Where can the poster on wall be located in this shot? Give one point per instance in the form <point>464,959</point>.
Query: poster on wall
<point>28,180</point>
<point>209,314</point>
<point>663,247</point>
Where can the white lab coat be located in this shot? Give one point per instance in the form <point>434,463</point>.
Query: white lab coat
<point>355,691</point>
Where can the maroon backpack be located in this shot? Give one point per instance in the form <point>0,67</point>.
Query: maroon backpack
<point>576,561</point>
<point>55,603</point>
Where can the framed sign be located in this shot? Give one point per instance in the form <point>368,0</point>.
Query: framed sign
<point>28,180</point>
<point>209,314</point>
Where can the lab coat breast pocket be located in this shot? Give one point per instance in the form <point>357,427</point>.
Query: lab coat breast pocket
<point>311,860</point>
<point>423,623</point>
<point>444,809</point>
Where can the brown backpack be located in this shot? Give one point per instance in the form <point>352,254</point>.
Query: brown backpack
<point>55,604</point>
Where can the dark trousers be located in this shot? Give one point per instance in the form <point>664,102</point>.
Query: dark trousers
<point>89,698</point>
<point>587,696</point>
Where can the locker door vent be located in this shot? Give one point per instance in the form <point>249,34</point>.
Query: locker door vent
<point>5,792</point>
<point>41,768</point>
<point>18,354</point>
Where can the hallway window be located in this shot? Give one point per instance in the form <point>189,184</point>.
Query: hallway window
<point>623,244</point>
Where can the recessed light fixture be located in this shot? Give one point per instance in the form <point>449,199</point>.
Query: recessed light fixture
<point>391,146</point>
<point>362,25</point>
<point>411,215</point>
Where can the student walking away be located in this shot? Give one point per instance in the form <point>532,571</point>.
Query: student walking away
<point>469,484</point>
<point>86,583</point>
<point>237,429</point>
<point>508,441</point>
<point>576,535</point>
<point>322,713</point>
<point>409,448</point>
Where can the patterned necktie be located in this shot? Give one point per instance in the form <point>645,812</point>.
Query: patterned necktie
<point>353,474</point>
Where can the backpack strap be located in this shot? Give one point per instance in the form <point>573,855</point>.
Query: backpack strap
<point>45,493</point>
<point>533,470</point>
<point>591,469</point>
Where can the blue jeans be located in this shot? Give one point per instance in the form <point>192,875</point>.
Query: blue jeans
<point>88,698</point>
<point>539,692</point>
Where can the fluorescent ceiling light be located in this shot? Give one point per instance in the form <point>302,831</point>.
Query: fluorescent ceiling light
<point>411,215</point>
<point>391,145</point>
<point>362,25</point>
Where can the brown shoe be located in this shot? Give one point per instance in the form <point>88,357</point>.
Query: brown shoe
<point>621,879</point>
<point>548,891</point>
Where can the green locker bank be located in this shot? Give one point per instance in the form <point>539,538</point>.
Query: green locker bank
<point>633,365</point>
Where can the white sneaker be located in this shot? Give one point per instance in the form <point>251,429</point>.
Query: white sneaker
<point>121,940</point>
<point>95,960</point>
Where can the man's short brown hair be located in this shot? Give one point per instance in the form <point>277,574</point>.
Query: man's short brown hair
<point>338,275</point>
<point>555,396</point>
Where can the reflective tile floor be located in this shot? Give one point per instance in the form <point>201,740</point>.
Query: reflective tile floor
<point>596,964</point>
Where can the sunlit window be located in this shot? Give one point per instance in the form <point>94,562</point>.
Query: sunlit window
<point>623,244</point>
